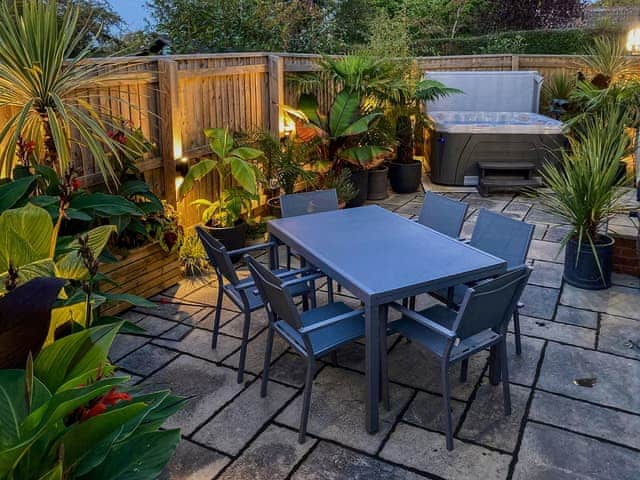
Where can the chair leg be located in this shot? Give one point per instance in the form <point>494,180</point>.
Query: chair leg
<point>464,368</point>
<point>330,290</point>
<point>516,330</point>
<point>405,302</point>
<point>243,346</point>
<point>288,257</point>
<point>267,362</point>
<point>412,303</point>
<point>216,318</point>
<point>446,397</point>
<point>306,402</point>
<point>505,377</point>
<point>312,296</point>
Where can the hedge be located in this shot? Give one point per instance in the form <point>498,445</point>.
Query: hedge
<point>564,41</point>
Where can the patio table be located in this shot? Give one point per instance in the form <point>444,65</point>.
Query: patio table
<point>381,257</point>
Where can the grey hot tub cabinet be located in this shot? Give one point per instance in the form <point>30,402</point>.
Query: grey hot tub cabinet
<point>494,120</point>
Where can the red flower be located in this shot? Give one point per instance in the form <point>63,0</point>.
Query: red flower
<point>29,147</point>
<point>75,184</point>
<point>114,397</point>
<point>99,405</point>
<point>94,411</point>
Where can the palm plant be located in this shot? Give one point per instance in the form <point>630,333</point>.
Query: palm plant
<point>607,59</point>
<point>556,93</point>
<point>47,90</point>
<point>584,189</point>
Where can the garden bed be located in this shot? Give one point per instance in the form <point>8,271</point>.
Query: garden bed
<point>145,271</point>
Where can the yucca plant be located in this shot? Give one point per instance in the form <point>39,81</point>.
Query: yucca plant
<point>47,91</point>
<point>607,60</point>
<point>556,93</point>
<point>584,189</point>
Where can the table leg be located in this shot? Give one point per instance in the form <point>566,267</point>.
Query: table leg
<point>372,365</point>
<point>274,259</point>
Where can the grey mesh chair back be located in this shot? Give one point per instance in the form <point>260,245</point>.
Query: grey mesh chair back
<point>503,237</point>
<point>296,204</point>
<point>489,305</point>
<point>277,299</point>
<point>218,256</point>
<point>443,214</point>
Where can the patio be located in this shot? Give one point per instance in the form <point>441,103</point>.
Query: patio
<point>574,389</point>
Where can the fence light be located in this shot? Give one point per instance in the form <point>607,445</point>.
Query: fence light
<point>633,41</point>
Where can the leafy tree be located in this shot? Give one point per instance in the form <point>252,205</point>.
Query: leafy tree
<point>532,14</point>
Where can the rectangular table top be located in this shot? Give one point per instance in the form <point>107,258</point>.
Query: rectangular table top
<point>381,256</point>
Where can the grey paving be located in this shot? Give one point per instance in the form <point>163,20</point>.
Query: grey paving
<point>570,432</point>
<point>582,417</point>
<point>231,429</point>
<point>340,463</point>
<point>338,408</point>
<point>271,456</point>
<point>193,462</point>
<point>426,451</point>
<point>617,379</point>
<point>551,453</point>
<point>255,353</point>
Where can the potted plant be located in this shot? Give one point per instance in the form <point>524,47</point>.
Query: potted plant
<point>286,164</point>
<point>341,136</point>
<point>237,187</point>
<point>584,191</point>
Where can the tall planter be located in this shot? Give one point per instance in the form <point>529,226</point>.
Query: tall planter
<point>360,179</point>
<point>377,189</point>
<point>232,238</point>
<point>405,177</point>
<point>581,265</point>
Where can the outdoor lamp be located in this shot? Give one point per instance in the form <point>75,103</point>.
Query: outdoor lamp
<point>633,40</point>
<point>182,166</point>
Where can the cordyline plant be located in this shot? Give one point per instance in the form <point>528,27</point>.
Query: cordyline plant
<point>584,189</point>
<point>47,91</point>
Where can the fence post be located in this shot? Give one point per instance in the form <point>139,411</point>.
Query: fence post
<point>515,62</point>
<point>170,134</point>
<point>276,93</point>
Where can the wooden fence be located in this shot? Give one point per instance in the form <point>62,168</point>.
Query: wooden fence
<point>174,98</point>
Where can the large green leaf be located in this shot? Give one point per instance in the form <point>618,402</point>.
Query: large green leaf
<point>344,111</point>
<point>195,173</point>
<point>308,105</point>
<point>13,408</point>
<point>12,193</point>
<point>79,440</point>
<point>37,269</point>
<point>134,300</point>
<point>360,126</point>
<point>104,205</point>
<point>70,265</point>
<point>220,141</point>
<point>363,155</point>
<point>246,153</point>
<point>140,457</point>
<point>74,355</point>
<point>25,234</point>
<point>244,173</point>
<point>54,474</point>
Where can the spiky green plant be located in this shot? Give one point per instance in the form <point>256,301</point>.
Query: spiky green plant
<point>47,91</point>
<point>607,60</point>
<point>584,189</point>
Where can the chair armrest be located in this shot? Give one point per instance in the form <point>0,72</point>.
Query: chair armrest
<point>248,283</point>
<point>251,248</point>
<point>308,278</point>
<point>424,321</point>
<point>331,321</point>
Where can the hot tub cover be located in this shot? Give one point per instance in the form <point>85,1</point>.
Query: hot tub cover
<point>494,122</point>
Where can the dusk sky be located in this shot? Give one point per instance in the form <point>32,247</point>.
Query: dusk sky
<point>132,11</point>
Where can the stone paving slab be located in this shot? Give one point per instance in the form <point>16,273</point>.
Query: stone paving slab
<point>539,302</point>
<point>427,411</point>
<point>147,359</point>
<point>552,453</point>
<point>232,428</point>
<point>522,368</point>
<point>559,332</point>
<point>615,376</point>
<point>198,343</point>
<point>125,344</point>
<point>620,301</point>
<point>340,463</point>
<point>546,251</point>
<point>272,456</point>
<point>338,409</point>
<point>620,335</point>
<point>209,388</point>
<point>427,451</point>
<point>255,353</point>
<point>193,462</point>
<point>576,316</point>
<point>486,422</point>
<point>581,417</point>
<point>546,274</point>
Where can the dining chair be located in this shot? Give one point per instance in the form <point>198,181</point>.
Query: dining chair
<point>304,203</point>
<point>311,334</point>
<point>243,293</point>
<point>455,335</point>
<point>443,214</point>
<point>504,238</point>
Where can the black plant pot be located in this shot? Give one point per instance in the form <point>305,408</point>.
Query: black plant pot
<point>584,273</point>
<point>378,183</point>
<point>360,179</point>
<point>405,177</point>
<point>231,237</point>
<point>274,209</point>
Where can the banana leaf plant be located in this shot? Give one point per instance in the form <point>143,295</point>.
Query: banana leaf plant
<point>67,416</point>
<point>237,178</point>
<point>341,131</point>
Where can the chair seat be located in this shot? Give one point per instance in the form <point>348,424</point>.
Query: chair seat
<point>437,343</point>
<point>328,338</point>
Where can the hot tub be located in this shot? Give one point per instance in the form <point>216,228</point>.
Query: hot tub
<point>462,139</point>
<point>495,119</point>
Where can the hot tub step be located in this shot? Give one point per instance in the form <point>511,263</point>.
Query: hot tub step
<point>506,183</point>
<point>506,176</point>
